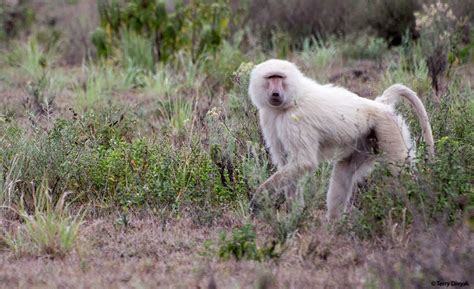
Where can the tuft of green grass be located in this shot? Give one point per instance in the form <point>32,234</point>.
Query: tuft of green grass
<point>319,56</point>
<point>48,231</point>
<point>318,53</point>
<point>98,86</point>
<point>162,83</point>
<point>364,47</point>
<point>137,51</point>
<point>32,58</point>
<point>36,64</point>
<point>177,112</point>
<point>410,69</point>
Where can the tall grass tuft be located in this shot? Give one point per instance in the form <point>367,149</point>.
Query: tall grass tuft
<point>48,231</point>
<point>137,51</point>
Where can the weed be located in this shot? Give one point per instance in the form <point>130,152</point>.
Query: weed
<point>410,69</point>
<point>242,245</point>
<point>364,47</point>
<point>319,57</point>
<point>48,231</point>
<point>437,26</point>
<point>196,27</point>
<point>137,51</point>
<point>8,182</point>
<point>99,84</point>
<point>177,113</point>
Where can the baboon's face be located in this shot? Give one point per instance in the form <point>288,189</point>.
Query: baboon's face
<point>275,89</point>
<point>274,84</point>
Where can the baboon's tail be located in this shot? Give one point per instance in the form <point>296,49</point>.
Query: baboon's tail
<point>392,95</point>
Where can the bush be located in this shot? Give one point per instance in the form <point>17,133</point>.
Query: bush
<point>364,47</point>
<point>303,19</point>
<point>391,19</point>
<point>197,27</point>
<point>242,245</point>
<point>15,18</point>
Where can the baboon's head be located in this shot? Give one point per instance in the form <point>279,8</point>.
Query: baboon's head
<point>273,84</point>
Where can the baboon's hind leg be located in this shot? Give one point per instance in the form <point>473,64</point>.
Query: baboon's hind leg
<point>346,174</point>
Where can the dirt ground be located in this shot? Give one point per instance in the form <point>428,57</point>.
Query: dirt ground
<point>152,252</point>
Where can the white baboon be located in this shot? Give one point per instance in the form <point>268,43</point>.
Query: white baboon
<point>304,123</point>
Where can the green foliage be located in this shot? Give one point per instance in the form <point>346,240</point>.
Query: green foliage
<point>242,245</point>
<point>177,113</point>
<point>226,62</point>
<point>319,56</point>
<point>15,18</point>
<point>197,28</point>
<point>390,19</point>
<point>99,84</point>
<point>8,180</point>
<point>364,47</point>
<point>137,51</point>
<point>36,63</point>
<point>439,30</point>
<point>32,58</point>
<point>410,69</point>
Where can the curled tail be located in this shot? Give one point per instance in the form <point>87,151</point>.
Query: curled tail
<point>391,96</point>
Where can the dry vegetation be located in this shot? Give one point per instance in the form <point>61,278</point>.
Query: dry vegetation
<point>129,149</point>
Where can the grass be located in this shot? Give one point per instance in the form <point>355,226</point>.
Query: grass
<point>49,230</point>
<point>319,56</point>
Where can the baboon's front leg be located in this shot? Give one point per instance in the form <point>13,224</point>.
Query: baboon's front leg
<point>279,185</point>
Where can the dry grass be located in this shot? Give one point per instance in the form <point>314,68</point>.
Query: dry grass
<point>153,253</point>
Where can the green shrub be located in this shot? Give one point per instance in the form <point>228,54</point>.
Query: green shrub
<point>364,47</point>
<point>197,28</point>
<point>15,18</point>
<point>435,25</point>
<point>242,245</point>
<point>390,19</point>
<point>137,51</point>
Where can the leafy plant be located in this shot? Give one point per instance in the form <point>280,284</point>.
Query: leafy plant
<point>36,63</point>
<point>137,51</point>
<point>197,27</point>
<point>364,47</point>
<point>439,32</point>
<point>242,245</point>
<point>15,18</point>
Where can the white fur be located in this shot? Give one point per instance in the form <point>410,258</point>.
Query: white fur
<point>326,123</point>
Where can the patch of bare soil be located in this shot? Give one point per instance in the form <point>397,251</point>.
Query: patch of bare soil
<point>154,253</point>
